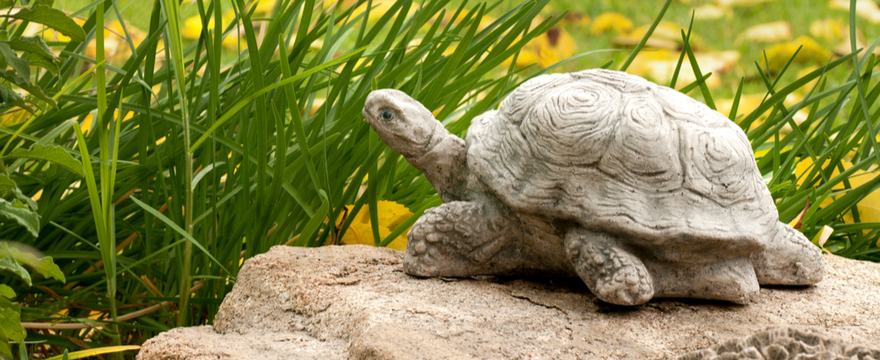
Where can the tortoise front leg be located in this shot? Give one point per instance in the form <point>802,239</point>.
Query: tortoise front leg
<point>611,272</point>
<point>461,238</point>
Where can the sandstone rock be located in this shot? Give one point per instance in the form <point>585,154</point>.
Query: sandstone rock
<point>356,302</point>
<point>785,343</point>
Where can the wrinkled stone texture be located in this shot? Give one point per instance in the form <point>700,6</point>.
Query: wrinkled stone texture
<point>356,302</point>
<point>786,344</point>
<point>638,189</point>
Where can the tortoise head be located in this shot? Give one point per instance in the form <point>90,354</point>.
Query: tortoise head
<point>404,124</point>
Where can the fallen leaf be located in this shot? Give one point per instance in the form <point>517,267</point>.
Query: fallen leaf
<point>264,6</point>
<point>379,9</point>
<point>805,166</point>
<point>811,53</point>
<point>13,117</point>
<point>867,9</point>
<point>486,20</point>
<point>47,33</point>
<point>823,236</point>
<point>798,221</point>
<point>709,12</point>
<point>86,125</point>
<point>808,86</point>
<point>116,47</point>
<point>748,103</point>
<point>845,46</point>
<point>611,22</point>
<point>545,50</point>
<point>741,3</point>
<point>767,33</point>
<point>659,66</point>
<point>828,29</point>
<point>868,207</point>
<point>316,105</point>
<point>576,19</point>
<point>192,26</point>
<point>390,215</point>
<point>192,29</point>
<point>667,35</point>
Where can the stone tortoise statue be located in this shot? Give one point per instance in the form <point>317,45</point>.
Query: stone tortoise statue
<point>638,189</point>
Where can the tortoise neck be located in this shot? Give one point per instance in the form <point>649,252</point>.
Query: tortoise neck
<point>444,163</point>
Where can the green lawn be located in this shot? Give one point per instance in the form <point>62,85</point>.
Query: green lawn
<point>715,34</point>
<point>721,34</point>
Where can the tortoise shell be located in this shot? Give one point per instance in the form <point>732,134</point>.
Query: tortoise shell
<point>614,152</point>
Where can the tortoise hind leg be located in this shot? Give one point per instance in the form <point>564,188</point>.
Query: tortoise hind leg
<point>462,238</point>
<point>612,273</point>
<point>789,259</point>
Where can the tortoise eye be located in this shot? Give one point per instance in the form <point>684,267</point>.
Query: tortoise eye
<point>387,115</point>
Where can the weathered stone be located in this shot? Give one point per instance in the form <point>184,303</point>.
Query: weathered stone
<point>786,343</point>
<point>638,189</point>
<point>356,302</point>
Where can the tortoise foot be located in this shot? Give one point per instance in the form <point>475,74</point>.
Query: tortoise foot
<point>612,273</point>
<point>459,239</point>
<point>790,259</point>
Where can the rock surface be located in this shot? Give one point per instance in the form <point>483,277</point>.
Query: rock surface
<point>785,343</point>
<point>356,302</point>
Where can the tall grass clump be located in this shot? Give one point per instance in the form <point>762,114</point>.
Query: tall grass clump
<point>154,180</point>
<point>191,159</point>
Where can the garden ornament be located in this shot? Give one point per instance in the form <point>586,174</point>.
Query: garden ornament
<point>636,188</point>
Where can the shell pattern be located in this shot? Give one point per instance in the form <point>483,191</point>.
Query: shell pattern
<point>617,153</point>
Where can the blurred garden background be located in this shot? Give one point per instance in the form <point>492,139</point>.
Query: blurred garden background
<point>143,164</point>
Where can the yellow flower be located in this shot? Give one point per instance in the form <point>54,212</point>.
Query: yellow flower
<point>612,22</point>
<point>390,214</point>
